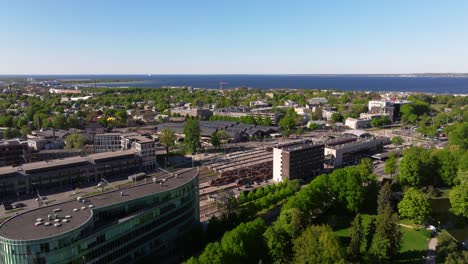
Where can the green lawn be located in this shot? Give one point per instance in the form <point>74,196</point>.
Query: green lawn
<point>413,246</point>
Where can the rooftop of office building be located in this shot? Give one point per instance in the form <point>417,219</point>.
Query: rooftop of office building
<point>65,162</point>
<point>67,216</point>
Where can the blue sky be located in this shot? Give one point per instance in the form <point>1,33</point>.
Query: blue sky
<point>224,36</point>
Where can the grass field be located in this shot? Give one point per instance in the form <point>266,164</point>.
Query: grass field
<point>413,246</point>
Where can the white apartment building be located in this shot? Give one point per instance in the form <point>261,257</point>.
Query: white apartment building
<point>357,123</point>
<point>145,147</point>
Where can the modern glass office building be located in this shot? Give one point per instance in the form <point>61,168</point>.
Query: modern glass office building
<point>115,227</point>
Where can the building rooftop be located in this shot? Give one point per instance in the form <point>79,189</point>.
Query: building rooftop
<point>23,226</point>
<point>300,146</point>
<point>65,162</point>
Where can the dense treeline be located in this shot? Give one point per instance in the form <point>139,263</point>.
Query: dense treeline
<point>347,188</point>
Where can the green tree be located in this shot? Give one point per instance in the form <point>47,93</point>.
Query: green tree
<point>391,164</point>
<point>59,122</point>
<point>312,126</point>
<point>458,135</point>
<point>317,244</point>
<point>414,205</point>
<point>445,246</point>
<point>415,167</point>
<point>370,232</point>
<point>192,135</point>
<point>459,257</point>
<point>267,121</point>
<point>75,141</point>
<point>167,139</point>
<point>215,140</point>
<point>25,131</point>
<point>387,238</point>
<point>384,199</point>
<point>299,131</point>
<point>459,199</point>
<point>288,122</point>
<point>447,166</point>
<point>336,117</point>
<point>397,141</point>
<point>228,202</point>
<point>354,249</point>
<point>11,133</point>
<point>122,116</point>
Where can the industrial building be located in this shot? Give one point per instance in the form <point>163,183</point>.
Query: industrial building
<point>120,226</point>
<point>348,151</point>
<point>42,176</point>
<point>297,160</point>
<point>242,167</point>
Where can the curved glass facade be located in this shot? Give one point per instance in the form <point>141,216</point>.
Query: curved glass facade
<point>118,233</point>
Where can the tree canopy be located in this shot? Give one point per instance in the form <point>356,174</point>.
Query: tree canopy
<point>317,244</point>
<point>414,205</point>
<point>192,134</point>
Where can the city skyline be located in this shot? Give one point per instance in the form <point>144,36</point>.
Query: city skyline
<point>210,37</point>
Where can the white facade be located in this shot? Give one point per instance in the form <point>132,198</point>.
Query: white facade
<point>146,148</point>
<point>357,123</point>
<point>339,151</point>
<point>277,162</point>
<point>377,104</point>
<point>327,114</point>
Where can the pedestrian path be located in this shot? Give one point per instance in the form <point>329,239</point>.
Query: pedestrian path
<point>431,251</point>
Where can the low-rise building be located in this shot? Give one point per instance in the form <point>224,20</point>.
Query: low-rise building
<point>45,176</point>
<point>355,123</point>
<point>202,113</point>
<point>108,142</point>
<point>145,147</point>
<point>327,113</point>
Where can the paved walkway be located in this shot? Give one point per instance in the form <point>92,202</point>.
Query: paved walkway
<point>431,250</point>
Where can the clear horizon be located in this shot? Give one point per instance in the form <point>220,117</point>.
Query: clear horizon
<point>244,37</point>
